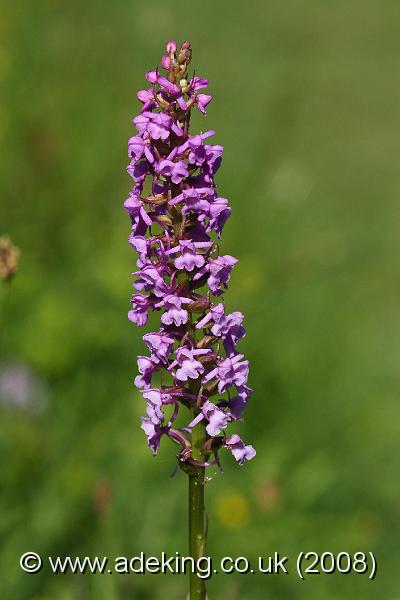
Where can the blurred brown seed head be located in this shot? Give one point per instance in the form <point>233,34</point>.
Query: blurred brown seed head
<point>269,496</point>
<point>9,256</point>
<point>102,496</point>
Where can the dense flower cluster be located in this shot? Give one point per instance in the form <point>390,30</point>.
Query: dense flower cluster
<point>175,212</point>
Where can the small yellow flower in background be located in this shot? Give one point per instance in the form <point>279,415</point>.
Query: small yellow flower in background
<point>366,528</point>
<point>9,256</point>
<point>232,510</point>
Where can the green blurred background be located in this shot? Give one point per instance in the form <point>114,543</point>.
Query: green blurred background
<point>306,98</point>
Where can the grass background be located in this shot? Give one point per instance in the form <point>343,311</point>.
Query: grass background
<point>306,98</point>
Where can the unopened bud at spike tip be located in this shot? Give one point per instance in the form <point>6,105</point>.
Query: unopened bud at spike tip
<point>171,47</point>
<point>185,54</point>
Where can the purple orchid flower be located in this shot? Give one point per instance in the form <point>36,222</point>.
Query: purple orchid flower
<point>239,450</point>
<point>190,368</point>
<point>228,327</point>
<point>175,228</point>
<point>231,371</point>
<point>150,278</point>
<point>176,171</point>
<point>140,310</point>
<point>160,345</point>
<point>155,401</point>
<point>219,214</point>
<point>147,365</point>
<point>146,97</point>
<point>153,432</point>
<point>189,259</point>
<point>174,312</point>
<point>220,272</point>
<point>202,101</point>
<point>138,170</point>
<point>217,418</point>
<point>139,217</point>
<point>139,147</point>
<point>199,152</point>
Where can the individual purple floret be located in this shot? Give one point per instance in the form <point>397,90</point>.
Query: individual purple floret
<point>177,216</point>
<point>175,313</point>
<point>190,366</point>
<point>217,418</point>
<point>239,450</point>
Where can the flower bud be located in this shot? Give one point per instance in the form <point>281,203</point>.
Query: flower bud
<point>211,389</point>
<point>184,85</point>
<point>163,219</point>
<point>166,62</point>
<point>162,103</point>
<point>185,54</point>
<point>206,341</point>
<point>207,359</point>
<point>198,306</point>
<point>159,200</point>
<point>171,47</point>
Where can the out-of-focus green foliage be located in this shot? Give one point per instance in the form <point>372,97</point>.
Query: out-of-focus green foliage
<point>306,98</point>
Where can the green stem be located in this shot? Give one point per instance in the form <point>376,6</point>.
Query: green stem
<point>197,532</point>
